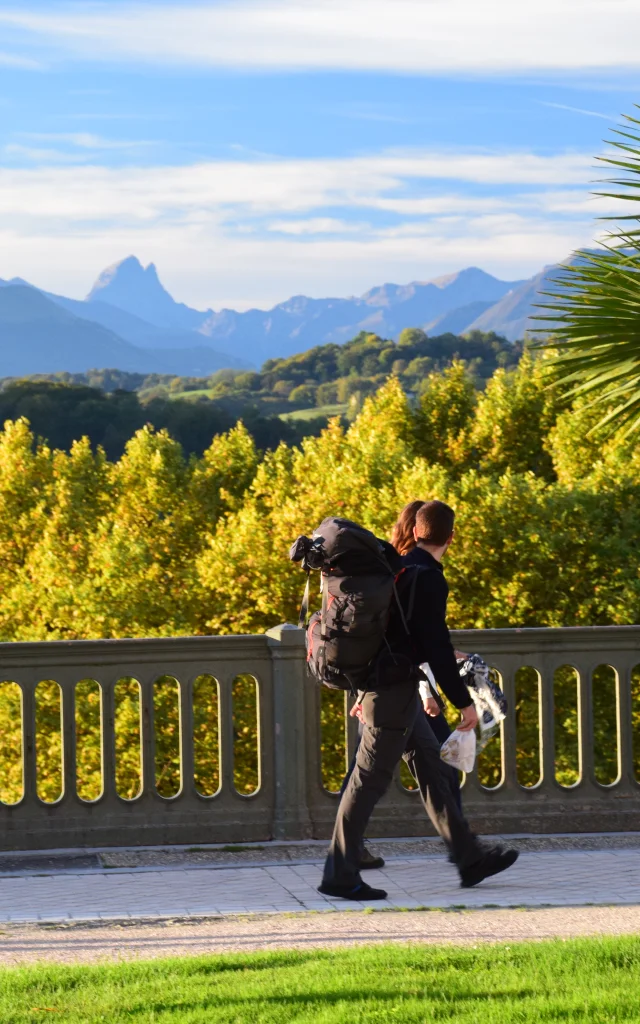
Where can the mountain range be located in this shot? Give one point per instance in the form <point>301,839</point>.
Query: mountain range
<point>129,321</point>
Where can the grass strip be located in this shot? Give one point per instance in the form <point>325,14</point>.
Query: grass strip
<point>595,980</point>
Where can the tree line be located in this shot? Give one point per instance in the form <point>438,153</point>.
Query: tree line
<point>157,543</point>
<point>108,406</point>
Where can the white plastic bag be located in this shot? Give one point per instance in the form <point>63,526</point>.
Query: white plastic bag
<point>459,750</point>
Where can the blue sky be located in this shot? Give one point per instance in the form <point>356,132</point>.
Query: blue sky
<point>264,148</point>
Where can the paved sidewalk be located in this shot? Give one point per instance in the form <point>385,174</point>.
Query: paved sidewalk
<point>605,877</point>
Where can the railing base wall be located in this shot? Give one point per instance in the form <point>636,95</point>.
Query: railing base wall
<point>393,823</point>
<point>382,826</point>
<point>141,835</point>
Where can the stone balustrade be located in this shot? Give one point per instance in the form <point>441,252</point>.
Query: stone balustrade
<point>290,801</point>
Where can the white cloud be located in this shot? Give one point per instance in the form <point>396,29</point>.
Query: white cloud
<point>84,140</point>
<point>272,186</point>
<point>82,147</point>
<point>251,232</point>
<point>314,226</point>
<point>16,60</point>
<point>421,36</point>
<point>38,155</point>
<point>577,110</point>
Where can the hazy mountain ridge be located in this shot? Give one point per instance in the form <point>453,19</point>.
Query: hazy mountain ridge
<point>129,316</point>
<point>511,316</point>
<point>301,322</point>
<point>38,335</point>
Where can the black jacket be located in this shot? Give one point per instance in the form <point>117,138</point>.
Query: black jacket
<point>428,626</point>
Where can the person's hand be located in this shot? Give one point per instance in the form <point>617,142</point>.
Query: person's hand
<point>431,707</point>
<point>469,719</point>
<point>356,712</point>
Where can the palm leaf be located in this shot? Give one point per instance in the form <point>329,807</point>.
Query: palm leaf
<point>593,305</point>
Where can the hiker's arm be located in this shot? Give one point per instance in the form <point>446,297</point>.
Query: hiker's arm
<point>429,621</point>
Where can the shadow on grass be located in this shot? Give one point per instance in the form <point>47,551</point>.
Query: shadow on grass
<point>304,1000</point>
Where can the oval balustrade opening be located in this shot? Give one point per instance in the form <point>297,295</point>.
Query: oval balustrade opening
<point>49,771</point>
<point>606,742</point>
<point>333,738</point>
<point>489,764</point>
<point>88,726</point>
<point>128,738</point>
<point>246,735</point>
<point>407,780</point>
<point>566,712</point>
<point>206,735</point>
<point>635,719</point>
<point>11,750</point>
<point>528,707</point>
<point>166,726</point>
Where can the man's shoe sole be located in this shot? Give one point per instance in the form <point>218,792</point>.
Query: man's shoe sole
<point>361,892</point>
<point>508,860</point>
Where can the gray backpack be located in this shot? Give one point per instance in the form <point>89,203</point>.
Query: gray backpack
<point>361,578</point>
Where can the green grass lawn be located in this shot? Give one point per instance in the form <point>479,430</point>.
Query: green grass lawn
<point>594,980</point>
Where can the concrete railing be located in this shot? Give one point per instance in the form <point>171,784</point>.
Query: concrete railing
<point>290,801</point>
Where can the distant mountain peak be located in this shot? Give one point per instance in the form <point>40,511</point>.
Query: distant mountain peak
<point>465,276</point>
<point>125,273</point>
<point>138,290</point>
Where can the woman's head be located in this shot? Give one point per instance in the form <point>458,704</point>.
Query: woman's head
<point>402,534</point>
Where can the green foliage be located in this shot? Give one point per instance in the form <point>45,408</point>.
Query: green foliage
<point>206,735</point>
<point>128,732</point>
<point>11,778</point>
<point>65,411</point>
<point>48,702</point>
<point>88,727</point>
<point>333,739</point>
<point>512,419</point>
<point>246,761</point>
<point>447,407</point>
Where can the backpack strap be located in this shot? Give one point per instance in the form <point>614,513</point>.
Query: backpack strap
<point>400,608</point>
<point>395,593</point>
<point>406,617</point>
<point>325,605</point>
<point>304,607</point>
<point>412,592</point>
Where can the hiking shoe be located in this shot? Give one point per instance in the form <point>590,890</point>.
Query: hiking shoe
<point>361,891</point>
<point>368,860</point>
<point>492,863</point>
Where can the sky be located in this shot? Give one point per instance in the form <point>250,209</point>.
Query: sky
<point>258,149</point>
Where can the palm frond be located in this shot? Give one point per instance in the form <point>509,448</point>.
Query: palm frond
<point>593,304</point>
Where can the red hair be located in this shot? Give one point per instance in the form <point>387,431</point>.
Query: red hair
<point>402,534</point>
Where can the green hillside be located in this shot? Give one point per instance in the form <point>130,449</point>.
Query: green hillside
<point>287,400</point>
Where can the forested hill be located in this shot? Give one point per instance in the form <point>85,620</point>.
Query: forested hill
<point>288,399</point>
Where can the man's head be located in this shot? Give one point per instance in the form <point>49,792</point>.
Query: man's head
<point>434,526</point>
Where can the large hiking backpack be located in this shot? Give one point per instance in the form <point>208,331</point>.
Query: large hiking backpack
<point>361,580</point>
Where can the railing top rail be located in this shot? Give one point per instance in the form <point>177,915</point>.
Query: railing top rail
<point>547,639</point>
<point>187,648</point>
<point>153,649</point>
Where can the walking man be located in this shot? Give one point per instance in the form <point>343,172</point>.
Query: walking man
<point>394,726</point>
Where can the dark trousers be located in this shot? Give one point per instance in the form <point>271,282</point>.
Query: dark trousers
<point>441,730</point>
<point>395,726</point>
